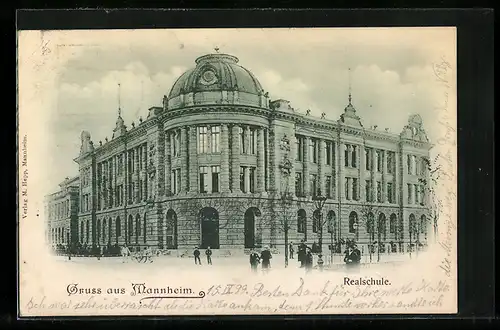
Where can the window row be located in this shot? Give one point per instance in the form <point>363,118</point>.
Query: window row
<point>416,193</point>
<point>59,210</point>
<point>59,235</point>
<point>396,227</point>
<point>416,165</point>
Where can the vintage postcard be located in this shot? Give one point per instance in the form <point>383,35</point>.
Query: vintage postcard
<point>237,171</point>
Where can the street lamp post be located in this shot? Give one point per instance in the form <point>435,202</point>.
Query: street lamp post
<point>286,197</point>
<point>319,203</point>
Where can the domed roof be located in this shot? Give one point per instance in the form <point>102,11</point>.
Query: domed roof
<point>216,72</point>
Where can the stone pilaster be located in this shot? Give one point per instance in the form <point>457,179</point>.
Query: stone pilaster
<point>260,161</point>
<point>184,160</point>
<point>268,161</point>
<point>292,157</point>
<point>341,153</point>
<point>384,176</point>
<point>224,168</point>
<point>137,188</point>
<point>193,160</point>
<point>362,171</point>
<point>235,159</point>
<point>246,133</point>
<point>168,164</point>
<point>307,181</point>
<point>321,167</point>
<point>374,174</point>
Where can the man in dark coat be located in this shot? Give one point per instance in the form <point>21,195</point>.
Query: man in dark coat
<point>254,260</point>
<point>291,250</point>
<point>309,261</point>
<point>208,253</point>
<point>352,257</point>
<point>302,253</point>
<point>196,254</point>
<point>266,256</point>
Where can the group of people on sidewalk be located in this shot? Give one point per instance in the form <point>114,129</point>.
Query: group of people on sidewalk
<point>197,259</point>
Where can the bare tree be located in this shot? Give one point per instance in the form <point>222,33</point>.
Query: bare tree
<point>370,217</point>
<point>430,193</point>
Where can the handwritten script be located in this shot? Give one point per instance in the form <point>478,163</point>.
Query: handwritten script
<point>300,297</point>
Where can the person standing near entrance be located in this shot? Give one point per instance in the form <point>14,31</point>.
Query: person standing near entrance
<point>266,256</point>
<point>208,252</point>
<point>308,261</point>
<point>254,260</point>
<point>291,250</point>
<point>196,254</point>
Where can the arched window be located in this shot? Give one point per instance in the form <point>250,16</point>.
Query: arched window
<point>118,227</point>
<point>87,227</point>
<point>423,224</point>
<point>130,225</point>
<point>381,227</point>
<point>171,230</point>
<point>332,223</point>
<point>301,221</point>
<point>144,229</point>
<point>370,225</point>
<point>392,223</point>
<point>98,231</point>
<point>110,230</point>
<point>82,231</point>
<point>353,222</point>
<point>104,230</point>
<point>412,225</point>
<point>316,221</point>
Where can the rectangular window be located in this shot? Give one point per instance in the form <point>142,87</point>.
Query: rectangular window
<point>202,139</point>
<point>410,193</point>
<point>346,188</point>
<point>379,191</point>
<point>368,190</point>
<point>417,194</point>
<point>314,184</point>
<point>355,189</point>
<point>313,154</point>
<point>215,178</point>
<point>328,186</point>
<point>390,162</point>
<point>379,161</point>
<point>253,141</point>
<point>298,184</point>
<point>178,179</point>
<point>390,198</point>
<point>252,179</point>
<point>203,179</point>
<point>368,163</point>
<point>354,156</point>
<point>177,143</point>
<point>422,195</point>
<point>328,153</point>
<point>242,179</point>
<point>408,161</point>
<point>346,155</point>
<point>300,148</point>
<point>215,138</point>
<point>242,140</point>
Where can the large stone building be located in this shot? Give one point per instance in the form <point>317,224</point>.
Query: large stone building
<point>221,165</point>
<point>61,209</point>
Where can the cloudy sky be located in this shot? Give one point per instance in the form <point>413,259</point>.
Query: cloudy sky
<point>392,75</point>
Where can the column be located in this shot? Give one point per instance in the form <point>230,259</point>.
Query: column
<point>224,168</point>
<point>260,161</point>
<point>307,181</point>
<point>361,171</point>
<point>384,176</point>
<point>292,157</point>
<point>349,155</point>
<point>267,163</point>
<point>184,160</point>
<point>147,192</point>
<point>115,179</point>
<point>321,166</point>
<point>160,162</point>
<point>374,174</point>
<point>246,174</point>
<point>137,188</point>
<point>341,153</point>
<point>168,164</point>
<point>126,179</point>
<point>235,159</point>
<point>193,160</point>
<point>246,133</point>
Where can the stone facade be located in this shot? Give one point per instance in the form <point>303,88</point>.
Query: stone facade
<point>207,169</point>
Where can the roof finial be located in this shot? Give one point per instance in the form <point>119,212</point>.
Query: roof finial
<point>350,96</point>
<point>216,49</point>
<point>119,100</point>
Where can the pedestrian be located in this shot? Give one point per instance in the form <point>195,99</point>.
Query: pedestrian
<point>254,260</point>
<point>266,257</point>
<point>309,261</point>
<point>352,257</point>
<point>125,252</point>
<point>196,254</point>
<point>320,262</point>
<point>208,252</point>
<point>302,253</point>
<point>291,250</point>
